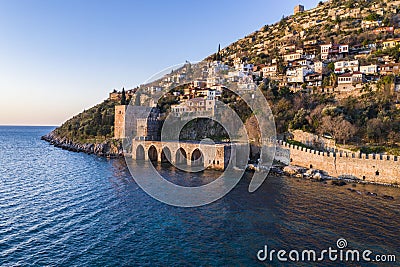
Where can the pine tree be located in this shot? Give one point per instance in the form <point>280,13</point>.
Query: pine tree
<point>123,97</point>
<point>218,57</point>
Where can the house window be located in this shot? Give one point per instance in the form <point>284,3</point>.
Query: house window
<point>377,173</point>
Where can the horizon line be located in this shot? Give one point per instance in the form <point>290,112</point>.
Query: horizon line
<point>27,125</point>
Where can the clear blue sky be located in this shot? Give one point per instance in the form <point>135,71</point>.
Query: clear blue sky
<point>59,57</point>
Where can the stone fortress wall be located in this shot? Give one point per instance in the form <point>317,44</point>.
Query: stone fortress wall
<point>313,140</point>
<point>383,169</point>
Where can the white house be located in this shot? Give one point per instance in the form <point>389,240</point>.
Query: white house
<point>333,50</point>
<point>210,94</point>
<point>369,69</point>
<point>216,67</point>
<point>366,24</point>
<point>320,66</point>
<point>343,48</point>
<point>292,56</point>
<point>244,67</point>
<point>194,106</point>
<point>314,79</point>
<point>310,42</point>
<point>213,80</point>
<point>213,94</point>
<point>303,62</point>
<point>345,82</point>
<point>199,83</point>
<point>235,75</point>
<point>287,48</point>
<point>154,89</point>
<point>325,50</point>
<point>247,86</point>
<point>390,43</point>
<point>269,71</point>
<point>342,66</point>
<point>297,75</point>
<point>350,81</point>
<point>218,88</point>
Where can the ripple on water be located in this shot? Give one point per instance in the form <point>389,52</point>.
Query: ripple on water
<point>72,209</point>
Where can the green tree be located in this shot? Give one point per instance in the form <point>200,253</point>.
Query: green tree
<point>373,17</point>
<point>331,66</point>
<point>299,121</point>
<point>123,97</point>
<point>219,53</point>
<point>386,83</point>
<point>375,129</point>
<point>333,79</point>
<point>280,65</point>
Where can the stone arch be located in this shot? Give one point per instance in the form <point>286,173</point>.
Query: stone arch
<point>166,156</point>
<point>197,158</point>
<point>181,156</point>
<point>140,155</point>
<point>152,152</point>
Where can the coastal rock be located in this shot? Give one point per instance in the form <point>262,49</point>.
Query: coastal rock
<point>276,170</point>
<point>252,167</point>
<point>388,197</point>
<point>293,170</point>
<point>318,176</point>
<point>108,148</point>
<point>310,172</point>
<point>339,183</point>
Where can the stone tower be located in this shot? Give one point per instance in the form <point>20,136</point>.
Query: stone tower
<point>119,122</point>
<point>136,122</point>
<point>298,9</point>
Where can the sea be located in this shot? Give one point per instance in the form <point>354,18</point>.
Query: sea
<point>62,208</point>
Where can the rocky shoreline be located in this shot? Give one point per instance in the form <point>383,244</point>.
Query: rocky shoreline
<point>108,148</point>
<point>319,175</point>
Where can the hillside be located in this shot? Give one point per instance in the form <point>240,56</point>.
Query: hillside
<point>93,125</point>
<point>90,131</point>
<point>351,22</point>
<point>332,70</point>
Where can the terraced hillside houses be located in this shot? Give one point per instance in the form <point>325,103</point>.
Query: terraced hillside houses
<point>312,49</point>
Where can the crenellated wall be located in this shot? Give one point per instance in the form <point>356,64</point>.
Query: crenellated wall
<point>372,167</point>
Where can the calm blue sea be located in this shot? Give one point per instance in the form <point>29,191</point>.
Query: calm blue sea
<point>59,208</point>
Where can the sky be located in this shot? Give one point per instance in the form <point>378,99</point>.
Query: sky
<point>58,58</point>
